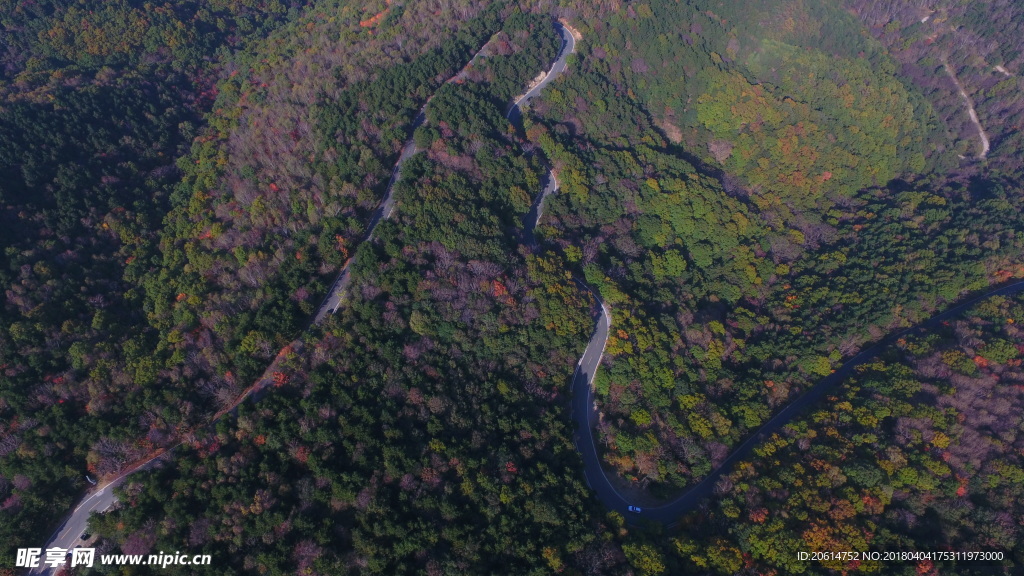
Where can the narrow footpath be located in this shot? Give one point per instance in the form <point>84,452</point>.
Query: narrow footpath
<point>985,144</point>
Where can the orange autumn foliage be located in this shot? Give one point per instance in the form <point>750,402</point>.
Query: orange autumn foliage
<point>376,18</point>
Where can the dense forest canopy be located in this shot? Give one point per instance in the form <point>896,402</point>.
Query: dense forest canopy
<point>920,450</point>
<point>756,191</point>
<point>785,96</point>
<point>42,35</point>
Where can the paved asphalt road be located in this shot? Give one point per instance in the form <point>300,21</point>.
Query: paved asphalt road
<point>532,218</point>
<point>585,413</point>
<point>69,534</point>
<point>336,295</point>
<point>515,112</point>
<point>584,409</point>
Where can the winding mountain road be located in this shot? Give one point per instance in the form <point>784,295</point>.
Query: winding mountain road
<point>515,112</point>
<point>584,409</point>
<point>585,414</point>
<point>671,511</point>
<point>102,497</point>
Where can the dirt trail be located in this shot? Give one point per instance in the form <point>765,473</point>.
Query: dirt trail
<point>985,144</point>
<point>101,496</point>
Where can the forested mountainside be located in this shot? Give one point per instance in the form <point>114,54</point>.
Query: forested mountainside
<point>121,246</point>
<point>43,36</point>
<point>785,96</point>
<point>755,190</point>
<point>427,419</point>
<point>91,128</point>
<point>974,44</point>
<point>729,301</point>
<point>920,450</point>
